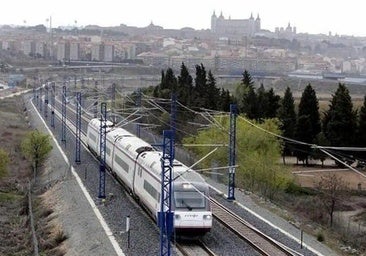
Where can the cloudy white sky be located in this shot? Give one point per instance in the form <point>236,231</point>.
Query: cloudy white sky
<point>312,16</point>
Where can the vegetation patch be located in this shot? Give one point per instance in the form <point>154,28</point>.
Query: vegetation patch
<point>361,217</point>
<point>9,196</point>
<point>294,189</point>
<point>15,232</point>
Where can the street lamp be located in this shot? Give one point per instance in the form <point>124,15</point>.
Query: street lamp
<point>51,36</point>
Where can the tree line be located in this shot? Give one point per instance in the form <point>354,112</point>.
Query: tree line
<point>202,94</point>
<point>339,125</point>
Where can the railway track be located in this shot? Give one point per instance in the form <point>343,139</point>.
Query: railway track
<point>258,240</point>
<point>194,248</point>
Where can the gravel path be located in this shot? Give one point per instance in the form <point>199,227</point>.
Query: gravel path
<point>85,234</point>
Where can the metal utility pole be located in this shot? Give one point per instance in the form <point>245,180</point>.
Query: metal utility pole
<point>96,108</point>
<point>63,112</point>
<point>114,101</point>
<point>173,117</point>
<point>46,102</point>
<point>40,99</point>
<point>37,98</point>
<point>78,128</point>
<point>102,149</point>
<point>53,95</point>
<point>166,214</point>
<point>232,152</point>
<point>138,104</point>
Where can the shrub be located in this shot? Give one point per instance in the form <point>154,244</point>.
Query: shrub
<point>320,237</point>
<point>294,189</point>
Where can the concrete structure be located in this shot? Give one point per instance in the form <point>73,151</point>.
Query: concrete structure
<point>63,51</point>
<point>9,45</point>
<point>108,54</point>
<point>74,51</point>
<point>97,52</point>
<point>41,49</point>
<point>235,27</point>
<point>28,47</point>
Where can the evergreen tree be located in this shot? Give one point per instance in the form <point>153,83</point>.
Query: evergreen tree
<point>262,102</point>
<point>340,120</point>
<point>308,122</point>
<point>361,134</point>
<point>249,97</point>
<point>287,116</point>
<point>170,80</point>
<point>303,125</point>
<point>247,80</point>
<point>225,100</point>
<point>250,104</point>
<point>273,104</point>
<point>200,86</point>
<point>185,86</point>
<point>213,93</point>
<point>309,107</point>
<point>167,85</point>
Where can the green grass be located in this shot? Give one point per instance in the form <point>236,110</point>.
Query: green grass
<point>9,196</point>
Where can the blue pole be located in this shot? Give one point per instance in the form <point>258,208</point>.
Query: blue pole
<point>46,102</point>
<point>138,104</point>
<point>102,149</point>
<point>53,95</point>
<point>165,216</point>
<point>63,119</point>
<point>173,117</point>
<point>40,99</point>
<point>78,128</point>
<point>232,151</point>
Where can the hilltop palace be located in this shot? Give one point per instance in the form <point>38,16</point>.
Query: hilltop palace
<point>222,26</point>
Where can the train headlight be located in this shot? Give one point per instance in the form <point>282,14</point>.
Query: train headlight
<point>207,217</point>
<point>187,185</point>
<point>177,216</point>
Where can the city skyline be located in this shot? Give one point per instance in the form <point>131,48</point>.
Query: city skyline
<point>310,16</point>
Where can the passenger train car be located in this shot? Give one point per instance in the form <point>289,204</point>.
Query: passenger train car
<point>137,164</point>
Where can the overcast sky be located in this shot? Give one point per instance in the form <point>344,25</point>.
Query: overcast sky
<point>312,16</point>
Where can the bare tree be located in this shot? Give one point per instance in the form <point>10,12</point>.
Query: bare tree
<point>332,190</point>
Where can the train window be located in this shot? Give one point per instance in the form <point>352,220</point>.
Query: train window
<point>142,149</point>
<point>176,163</point>
<point>189,200</point>
<point>151,190</point>
<point>151,165</point>
<point>92,137</point>
<point>139,171</point>
<point>108,151</point>
<point>128,146</point>
<point>121,163</point>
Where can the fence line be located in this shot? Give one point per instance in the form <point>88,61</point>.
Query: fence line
<point>34,236</point>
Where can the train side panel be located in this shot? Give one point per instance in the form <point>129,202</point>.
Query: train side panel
<point>123,166</point>
<point>147,186</point>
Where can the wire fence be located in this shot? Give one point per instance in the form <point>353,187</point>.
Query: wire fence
<point>32,224</point>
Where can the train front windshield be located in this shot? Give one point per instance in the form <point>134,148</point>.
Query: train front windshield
<point>189,200</point>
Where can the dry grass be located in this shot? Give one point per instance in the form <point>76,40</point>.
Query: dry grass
<point>351,213</point>
<point>14,220</point>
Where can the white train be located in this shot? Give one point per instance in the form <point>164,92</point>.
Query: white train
<point>138,166</point>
